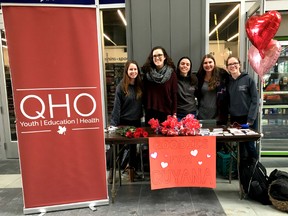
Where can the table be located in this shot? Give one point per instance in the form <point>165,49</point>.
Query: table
<point>115,139</point>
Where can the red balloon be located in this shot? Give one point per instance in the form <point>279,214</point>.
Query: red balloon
<point>261,29</point>
<point>262,66</point>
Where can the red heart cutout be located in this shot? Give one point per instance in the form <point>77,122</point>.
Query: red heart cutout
<point>261,29</point>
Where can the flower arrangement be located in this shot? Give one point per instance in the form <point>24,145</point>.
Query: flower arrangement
<point>172,127</point>
<point>132,132</point>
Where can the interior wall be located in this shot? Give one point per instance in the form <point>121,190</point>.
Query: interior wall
<point>179,28</point>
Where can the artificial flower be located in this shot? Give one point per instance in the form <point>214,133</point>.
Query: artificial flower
<point>172,127</point>
<point>132,132</point>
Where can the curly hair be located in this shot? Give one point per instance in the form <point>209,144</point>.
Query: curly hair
<point>149,64</point>
<point>126,80</point>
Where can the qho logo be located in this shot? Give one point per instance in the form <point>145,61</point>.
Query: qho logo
<point>52,107</point>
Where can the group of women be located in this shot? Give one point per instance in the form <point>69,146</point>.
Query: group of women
<point>163,89</point>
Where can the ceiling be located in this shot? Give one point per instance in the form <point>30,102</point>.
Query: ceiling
<point>230,27</point>
<point>115,29</point>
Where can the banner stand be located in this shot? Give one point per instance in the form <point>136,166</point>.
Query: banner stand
<point>45,209</point>
<point>56,74</point>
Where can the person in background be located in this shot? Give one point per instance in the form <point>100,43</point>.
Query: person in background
<point>212,93</point>
<point>127,110</point>
<point>187,84</point>
<point>160,85</point>
<point>244,102</point>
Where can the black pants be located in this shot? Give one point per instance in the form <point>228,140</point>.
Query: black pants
<point>132,147</point>
<point>247,149</point>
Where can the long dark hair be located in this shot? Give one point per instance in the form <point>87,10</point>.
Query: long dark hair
<point>149,64</point>
<point>214,81</point>
<point>193,78</point>
<point>126,80</point>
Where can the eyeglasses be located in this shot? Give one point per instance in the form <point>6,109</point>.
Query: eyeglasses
<point>157,56</point>
<point>233,64</point>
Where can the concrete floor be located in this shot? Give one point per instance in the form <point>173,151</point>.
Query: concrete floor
<point>135,199</point>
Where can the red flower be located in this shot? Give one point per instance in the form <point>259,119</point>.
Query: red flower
<point>154,123</point>
<point>137,134</point>
<point>132,132</point>
<point>139,130</point>
<point>187,126</point>
<point>129,134</point>
<point>145,134</point>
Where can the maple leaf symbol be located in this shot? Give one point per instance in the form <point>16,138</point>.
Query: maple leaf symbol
<point>61,130</point>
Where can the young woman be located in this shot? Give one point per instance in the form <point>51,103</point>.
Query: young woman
<point>212,91</point>
<point>187,84</point>
<point>244,101</point>
<point>127,110</point>
<point>160,85</point>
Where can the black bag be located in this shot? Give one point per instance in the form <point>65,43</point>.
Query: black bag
<point>279,189</point>
<point>276,174</point>
<point>254,181</point>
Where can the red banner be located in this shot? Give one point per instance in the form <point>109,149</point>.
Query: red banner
<point>54,61</point>
<point>184,161</point>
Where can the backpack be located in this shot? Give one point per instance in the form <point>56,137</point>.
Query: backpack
<point>254,181</point>
<point>277,174</point>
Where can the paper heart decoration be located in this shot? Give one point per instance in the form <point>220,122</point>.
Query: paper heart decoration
<point>200,162</point>
<point>261,29</point>
<point>262,66</point>
<point>164,165</point>
<point>194,152</point>
<point>154,155</point>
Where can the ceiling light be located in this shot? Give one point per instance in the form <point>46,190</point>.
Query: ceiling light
<point>234,36</point>
<point>225,19</point>
<point>107,38</point>
<point>122,17</point>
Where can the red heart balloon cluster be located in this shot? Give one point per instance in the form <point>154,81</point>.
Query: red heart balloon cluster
<point>261,29</point>
<point>265,51</point>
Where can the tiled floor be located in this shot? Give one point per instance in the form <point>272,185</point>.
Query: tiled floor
<point>135,199</point>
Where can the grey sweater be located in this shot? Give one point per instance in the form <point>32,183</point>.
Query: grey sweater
<point>126,107</point>
<point>186,102</point>
<point>244,99</point>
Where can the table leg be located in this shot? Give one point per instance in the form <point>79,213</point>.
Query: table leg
<point>141,161</point>
<point>113,190</point>
<point>119,167</point>
<point>241,191</point>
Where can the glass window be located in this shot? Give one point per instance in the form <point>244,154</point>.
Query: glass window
<point>223,31</point>
<point>115,53</point>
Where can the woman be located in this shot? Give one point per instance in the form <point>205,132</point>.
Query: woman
<point>244,101</point>
<point>127,110</point>
<point>187,84</point>
<point>160,85</point>
<point>212,94</point>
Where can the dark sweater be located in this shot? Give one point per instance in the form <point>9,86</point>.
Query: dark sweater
<point>126,107</point>
<point>222,97</point>
<point>244,99</point>
<point>186,102</point>
<point>161,97</point>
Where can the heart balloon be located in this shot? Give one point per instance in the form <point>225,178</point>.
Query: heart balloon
<point>262,66</point>
<point>261,29</point>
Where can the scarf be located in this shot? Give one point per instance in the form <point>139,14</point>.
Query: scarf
<point>160,76</point>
